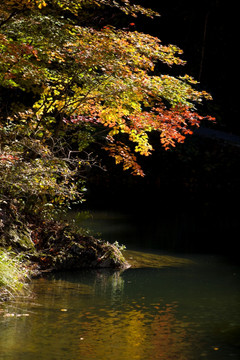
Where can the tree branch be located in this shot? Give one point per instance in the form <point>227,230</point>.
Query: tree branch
<point>9,18</point>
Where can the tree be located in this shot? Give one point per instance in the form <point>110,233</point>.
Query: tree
<point>69,80</point>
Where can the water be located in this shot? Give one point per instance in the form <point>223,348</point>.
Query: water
<point>169,306</point>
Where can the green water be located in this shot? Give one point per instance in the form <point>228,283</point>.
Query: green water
<point>168,306</point>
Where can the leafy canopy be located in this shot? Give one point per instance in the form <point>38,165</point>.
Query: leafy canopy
<point>68,79</point>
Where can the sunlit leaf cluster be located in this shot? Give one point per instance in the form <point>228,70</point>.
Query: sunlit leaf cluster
<point>77,85</point>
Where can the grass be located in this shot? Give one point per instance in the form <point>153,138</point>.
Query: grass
<point>13,275</point>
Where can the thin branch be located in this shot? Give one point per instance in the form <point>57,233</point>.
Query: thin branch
<point>9,18</point>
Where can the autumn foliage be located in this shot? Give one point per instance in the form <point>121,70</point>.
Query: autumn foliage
<point>68,79</point>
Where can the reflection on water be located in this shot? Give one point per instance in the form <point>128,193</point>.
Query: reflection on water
<point>188,311</point>
<point>138,332</point>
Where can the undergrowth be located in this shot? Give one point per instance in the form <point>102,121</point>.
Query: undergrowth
<point>13,275</point>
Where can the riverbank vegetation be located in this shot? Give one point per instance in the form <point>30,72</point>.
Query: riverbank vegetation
<point>74,82</point>
<point>13,274</point>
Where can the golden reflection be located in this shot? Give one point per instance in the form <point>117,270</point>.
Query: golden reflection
<point>170,337</point>
<point>133,334</point>
<point>73,319</point>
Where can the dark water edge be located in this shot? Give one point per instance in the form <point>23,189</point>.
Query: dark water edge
<point>176,225</point>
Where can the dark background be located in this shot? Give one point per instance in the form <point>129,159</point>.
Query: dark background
<point>197,183</point>
<point>207,32</point>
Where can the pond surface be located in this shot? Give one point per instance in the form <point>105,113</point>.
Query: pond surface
<point>168,306</point>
